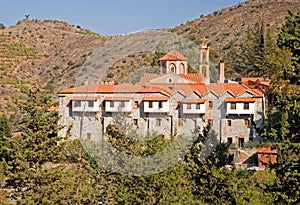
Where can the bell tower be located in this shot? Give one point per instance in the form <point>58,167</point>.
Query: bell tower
<point>204,61</point>
<point>173,62</point>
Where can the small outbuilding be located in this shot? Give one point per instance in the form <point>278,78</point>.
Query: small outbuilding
<point>266,155</point>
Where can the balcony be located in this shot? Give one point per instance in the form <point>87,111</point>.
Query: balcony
<point>156,104</point>
<point>240,106</point>
<point>193,106</point>
<point>118,104</point>
<point>85,103</point>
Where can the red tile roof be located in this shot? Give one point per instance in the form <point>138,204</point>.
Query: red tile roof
<point>85,98</point>
<point>155,98</point>
<point>117,98</point>
<point>193,100</point>
<point>246,80</point>
<point>122,88</point>
<point>240,100</point>
<point>53,109</point>
<point>194,77</point>
<point>173,56</point>
<point>17,134</point>
<point>266,150</point>
<point>258,92</point>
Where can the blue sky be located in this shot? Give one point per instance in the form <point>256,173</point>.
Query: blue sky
<point>112,17</point>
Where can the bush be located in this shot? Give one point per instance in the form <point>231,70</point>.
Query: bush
<point>110,75</point>
<point>2,26</point>
<point>70,63</point>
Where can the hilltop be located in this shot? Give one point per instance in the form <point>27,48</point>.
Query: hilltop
<point>53,53</point>
<point>232,23</point>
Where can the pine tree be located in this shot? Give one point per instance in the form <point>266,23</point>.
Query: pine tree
<point>5,132</point>
<point>39,144</point>
<point>285,128</point>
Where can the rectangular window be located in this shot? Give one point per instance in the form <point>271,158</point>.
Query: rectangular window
<point>122,104</point>
<point>77,103</point>
<point>233,106</point>
<point>246,106</point>
<point>198,106</point>
<point>90,103</point>
<point>241,142</point>
<point>112,104</point>
<point>160,104</point>
<point>210,104</point>
<point>135,122</point>
<point>158,122</point>
<point>189,106</point>
<point>229,140</point>
<point>88,136</point>
<point>228,122</point>
<point>150,104</point>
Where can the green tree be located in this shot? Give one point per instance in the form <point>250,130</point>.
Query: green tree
<point>289,39</point>
<point>253,57</point>
<point>160,51</point>
<point>39,144</point>
<point>5,132</point>
<point>2,26</point>
<point>285,127</point>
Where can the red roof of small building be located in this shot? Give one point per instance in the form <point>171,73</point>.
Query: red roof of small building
<point>53,109</point>
<point>266,150</point>
<point>17,134</point>
<point>173,56</point>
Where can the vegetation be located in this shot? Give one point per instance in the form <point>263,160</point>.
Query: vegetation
<point>285,127</point>
<point>12,49</point>
<point>39,168</point>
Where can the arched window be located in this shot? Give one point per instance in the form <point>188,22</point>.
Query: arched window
<point>182,68</point>
<point>172,68</point>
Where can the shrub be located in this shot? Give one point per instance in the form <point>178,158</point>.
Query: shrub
<point>110,75</point>
<point>2,26</point>
<point>70,63</point>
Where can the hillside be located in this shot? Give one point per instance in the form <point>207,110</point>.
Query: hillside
<point>231,24</point>
<point>57,54</point>
<point>49,52</point>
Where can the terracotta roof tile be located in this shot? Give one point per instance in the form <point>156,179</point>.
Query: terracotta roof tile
<point>85,98</point>
<point>266,150</point>
<point>123,88</point>
<point>53,109</point>
<point>173,55</point>
<point>193,100</point>
<point>117,98</point>
<point>195,77</point>
<point>240,100</point>
<point>156,98</point>
<point>258,92</point>
<point>17,134</point>
<point>246,80</point>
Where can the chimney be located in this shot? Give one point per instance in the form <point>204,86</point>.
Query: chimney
<point>221,71</point>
